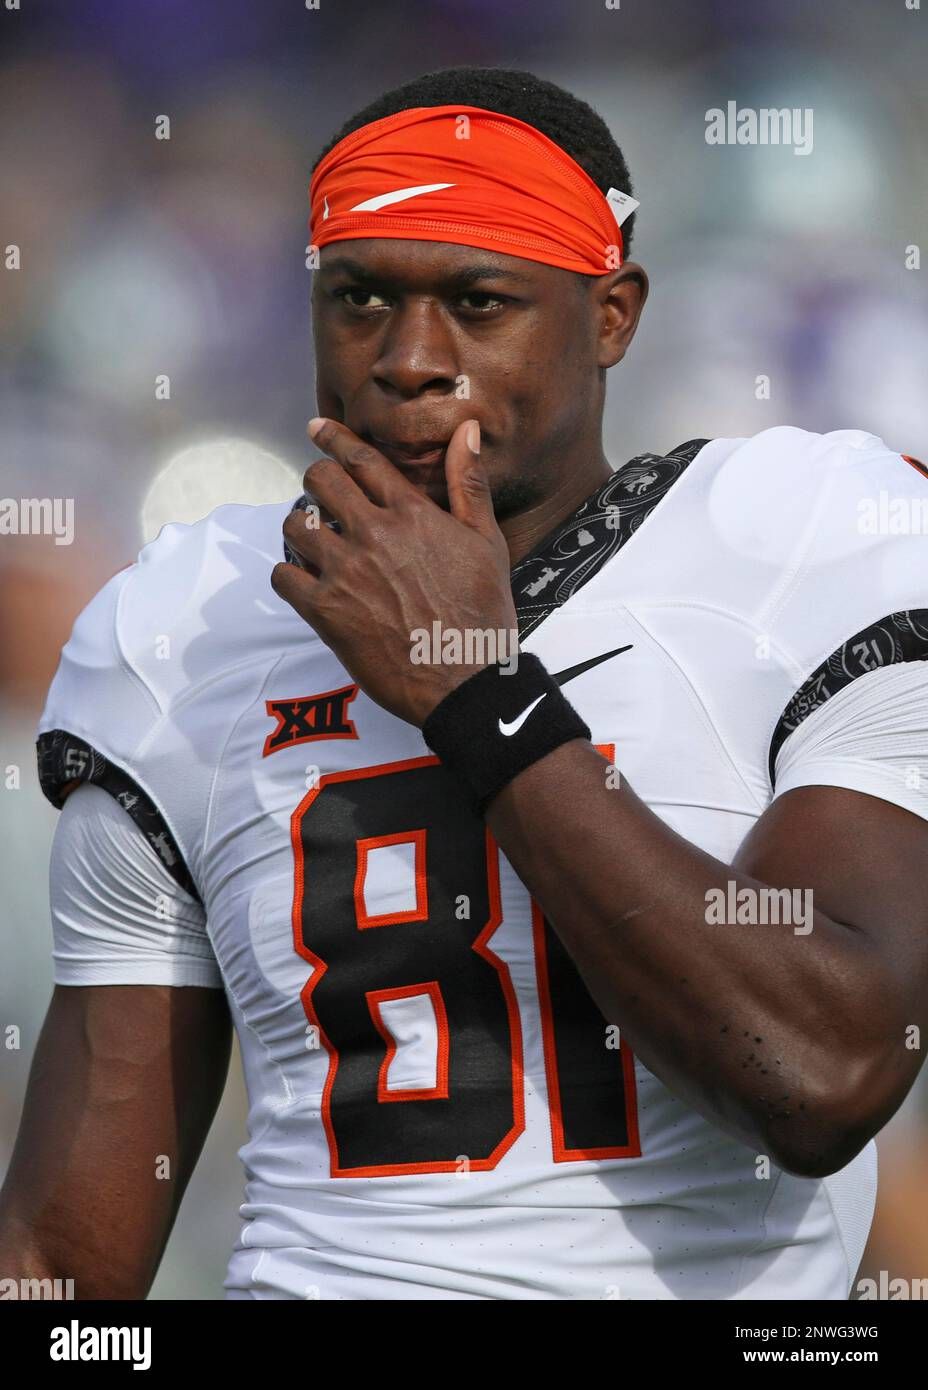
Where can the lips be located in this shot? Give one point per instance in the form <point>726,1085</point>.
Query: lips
<point>412,454</point>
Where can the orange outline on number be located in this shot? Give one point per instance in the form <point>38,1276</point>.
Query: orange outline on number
<point>375,997</point>
<point>419,913</point>
<point>479,945</point>
<point>560,1152</point>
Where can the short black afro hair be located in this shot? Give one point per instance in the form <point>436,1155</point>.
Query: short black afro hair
<point>564,118</point>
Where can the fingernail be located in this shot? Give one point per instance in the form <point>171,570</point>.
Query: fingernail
<point>315,425</point>
<point>473,436</point>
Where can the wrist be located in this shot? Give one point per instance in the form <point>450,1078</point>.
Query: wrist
<point>498,722</point>
<point>429,695</point>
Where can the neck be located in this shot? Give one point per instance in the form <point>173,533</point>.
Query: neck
<point>524,530</point>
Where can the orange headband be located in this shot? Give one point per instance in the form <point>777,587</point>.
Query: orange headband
<point>470,176</point>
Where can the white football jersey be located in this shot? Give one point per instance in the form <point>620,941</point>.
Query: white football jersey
<point>437,1109</point>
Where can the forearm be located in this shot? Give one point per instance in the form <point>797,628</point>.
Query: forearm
<point>71,1211</point>
<point>22,1255</point>
<point>722,1013</point>
<point>73,1262</point>
<point>111,1130</point>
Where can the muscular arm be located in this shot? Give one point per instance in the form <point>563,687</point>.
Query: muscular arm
<point>122,1075</point>
<point>796,1044</point>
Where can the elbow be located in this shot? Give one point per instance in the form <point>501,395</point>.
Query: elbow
<point>819,1156</point>
<point>832,1122</point>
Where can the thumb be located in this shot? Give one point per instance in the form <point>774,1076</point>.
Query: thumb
<point>468,485</point>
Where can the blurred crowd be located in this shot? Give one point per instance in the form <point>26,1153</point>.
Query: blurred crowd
<point>143,259</point>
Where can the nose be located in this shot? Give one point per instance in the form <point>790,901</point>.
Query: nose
<point>417,354</point>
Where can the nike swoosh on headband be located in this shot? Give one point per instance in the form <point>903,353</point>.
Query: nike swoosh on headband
<point>562,677</point>
<point>399,195</point>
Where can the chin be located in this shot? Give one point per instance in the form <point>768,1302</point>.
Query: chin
<point>514,495</point>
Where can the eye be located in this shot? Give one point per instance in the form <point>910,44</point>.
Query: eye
<point>357,297</point>
<point>482,302</point>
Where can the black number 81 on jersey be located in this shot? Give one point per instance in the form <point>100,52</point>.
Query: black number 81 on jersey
<point>475,1110</point>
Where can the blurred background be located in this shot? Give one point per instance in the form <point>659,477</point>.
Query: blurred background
<point>141,258</point>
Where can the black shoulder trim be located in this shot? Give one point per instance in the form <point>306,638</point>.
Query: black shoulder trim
<point>64,758</point>
<point>579,547</point>
<point>898,637</point>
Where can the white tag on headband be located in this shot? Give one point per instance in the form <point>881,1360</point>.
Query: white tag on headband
<point>622,204</point>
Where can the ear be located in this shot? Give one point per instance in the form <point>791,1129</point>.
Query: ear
<point>620,297</point>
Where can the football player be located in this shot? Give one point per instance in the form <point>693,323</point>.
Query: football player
<point>586,970</point>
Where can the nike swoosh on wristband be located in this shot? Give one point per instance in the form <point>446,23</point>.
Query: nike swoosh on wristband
<point>509,729</point>
<point>399,195</point>
<point>562,678</point>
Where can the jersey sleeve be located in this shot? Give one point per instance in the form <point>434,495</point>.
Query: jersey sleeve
<point>119,917</point>
<point>870,736</point>
<point>847,615</point>
<point>103,723</point>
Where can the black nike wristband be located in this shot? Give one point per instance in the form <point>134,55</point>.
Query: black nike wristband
<point>494,725</point>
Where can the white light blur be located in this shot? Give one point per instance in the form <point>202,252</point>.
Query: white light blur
<point>205,476</point>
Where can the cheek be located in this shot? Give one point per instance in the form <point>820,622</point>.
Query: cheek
<point>339,380</point>
<point>550,355</point>
<point>521,380</point>
<point>341,359</point>
<point>548,389</point>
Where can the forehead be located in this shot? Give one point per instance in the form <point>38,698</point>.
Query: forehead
<point>432,264</point>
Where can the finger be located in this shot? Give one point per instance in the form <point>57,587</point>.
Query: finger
<point>312,542</point>
<point>312,507</point>
<point>374,474</point>
<point>329,484</point>
<point>296,587</point>
<point>468,485</point>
